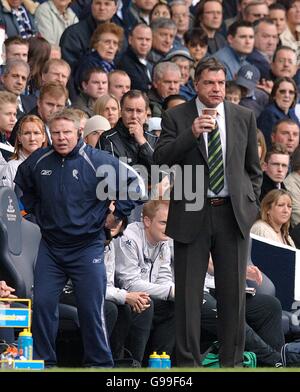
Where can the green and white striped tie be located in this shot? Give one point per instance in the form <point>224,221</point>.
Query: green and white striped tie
<point>215,161</point>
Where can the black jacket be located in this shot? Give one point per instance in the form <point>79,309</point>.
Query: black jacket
<point>120,143</point>
<point>268,185</point>
<point>136,70</point>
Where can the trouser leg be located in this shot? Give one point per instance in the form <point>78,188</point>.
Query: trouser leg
<point>49,280</point>
<point>162,336</point>
<point>264,315</point>
<point>229,252</point>
<point>88,274</point>
<point>139,333</point>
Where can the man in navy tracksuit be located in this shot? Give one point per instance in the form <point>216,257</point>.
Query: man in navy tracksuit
<point>59,188</point>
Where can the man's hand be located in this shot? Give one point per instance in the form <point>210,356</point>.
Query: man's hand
<point>254,273</point>
<point>266,85</point>
<point>136,130</point>
<point>6,291</point>
<point>138,300</point>
<point>203,123</point>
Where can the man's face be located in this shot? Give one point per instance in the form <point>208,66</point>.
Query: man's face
<point>266,38</point>
<point>180,15</point>
<point>57,73</point>
<point>277,167</point>
<point>8,113</point>
<point>133,111</point>
<point>168,84</point>
<point>233,97</point>
<point>257,12</point>
<point>15,81</point>
<point>146,5</point>
<point>96,86</point>
<point>293,14</point>
<point>211,87</point>
<point>212,15</point>
<point>15,3</point>
<point>49,105</point>
<point>163,40</point>
<point>141,40</point>
<point>185,67</point>
<point>17,52</point>
<point>285,64</point>
<point>64,136</point>
<point>103,10</point>
<point>241,7</point>
<point>243,42</point>
<point>119,85</point>
<point>287,134</point>
<point>156,227</point>
<point>279,18</point>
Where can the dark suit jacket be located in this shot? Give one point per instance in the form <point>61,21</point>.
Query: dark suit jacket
<point>177,145</point>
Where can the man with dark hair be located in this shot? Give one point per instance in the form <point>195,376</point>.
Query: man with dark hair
<point>128,139</point>
<point>286,132</point>
<point>94,84</point>
<point>209,16</point>
<point>240,37</point>
<point>220,137</point>
<point>275,169</point>
<point>134,61</point>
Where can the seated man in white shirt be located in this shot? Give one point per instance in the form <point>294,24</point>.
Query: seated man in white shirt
<point>143,263</point>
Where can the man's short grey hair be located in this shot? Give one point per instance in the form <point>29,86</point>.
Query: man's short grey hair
<point>163,23</point>
<point>258,22</point>
<point>15,63</point>
<point>177,2</point>
<point>66,114</point>
<point>161,68</point>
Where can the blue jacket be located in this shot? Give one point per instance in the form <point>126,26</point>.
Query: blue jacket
<point>61,192</point>
<point>231,60</point>
<point>270,116</point>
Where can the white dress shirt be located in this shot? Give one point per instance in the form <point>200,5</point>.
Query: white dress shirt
<point>222,127</point>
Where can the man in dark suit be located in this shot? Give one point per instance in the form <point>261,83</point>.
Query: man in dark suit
<point>226,148</point>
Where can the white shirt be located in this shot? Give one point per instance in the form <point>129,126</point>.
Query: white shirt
<point>222,127</point>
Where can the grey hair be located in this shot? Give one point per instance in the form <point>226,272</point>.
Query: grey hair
<point>163,23</point>
<point>15,63</point>
<point>163,67</point>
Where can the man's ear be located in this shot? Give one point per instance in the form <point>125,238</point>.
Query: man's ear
<point>147,221</point>
<point>264,166</point>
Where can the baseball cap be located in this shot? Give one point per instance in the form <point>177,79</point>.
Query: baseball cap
<point>248,76</point>
<point>179,52</point>
<point>96,123</point>
<point>154,124</point>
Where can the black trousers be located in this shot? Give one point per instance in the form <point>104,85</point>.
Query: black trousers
<point>221,236</point>
<point>264,334</point>
<point>130,330</point>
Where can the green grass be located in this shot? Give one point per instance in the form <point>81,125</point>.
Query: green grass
<point>163,371</point>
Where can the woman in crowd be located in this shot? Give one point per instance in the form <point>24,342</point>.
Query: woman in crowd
<point>39,52</point>
<point>275,216</point>
<point>108,106</point>
<point>196,40</point>
<point>160,10</point>
<point>283,100</point>
<point>292,184</point>
<point>105,42</point>
<point>30,136</point>
<point>262,148</point>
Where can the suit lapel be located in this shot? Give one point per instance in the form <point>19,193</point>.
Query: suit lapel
<point>230,120</point>
<point>192,113</point>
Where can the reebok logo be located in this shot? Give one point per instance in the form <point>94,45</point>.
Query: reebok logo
<point>75,174</point>
<point>46,172</point>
